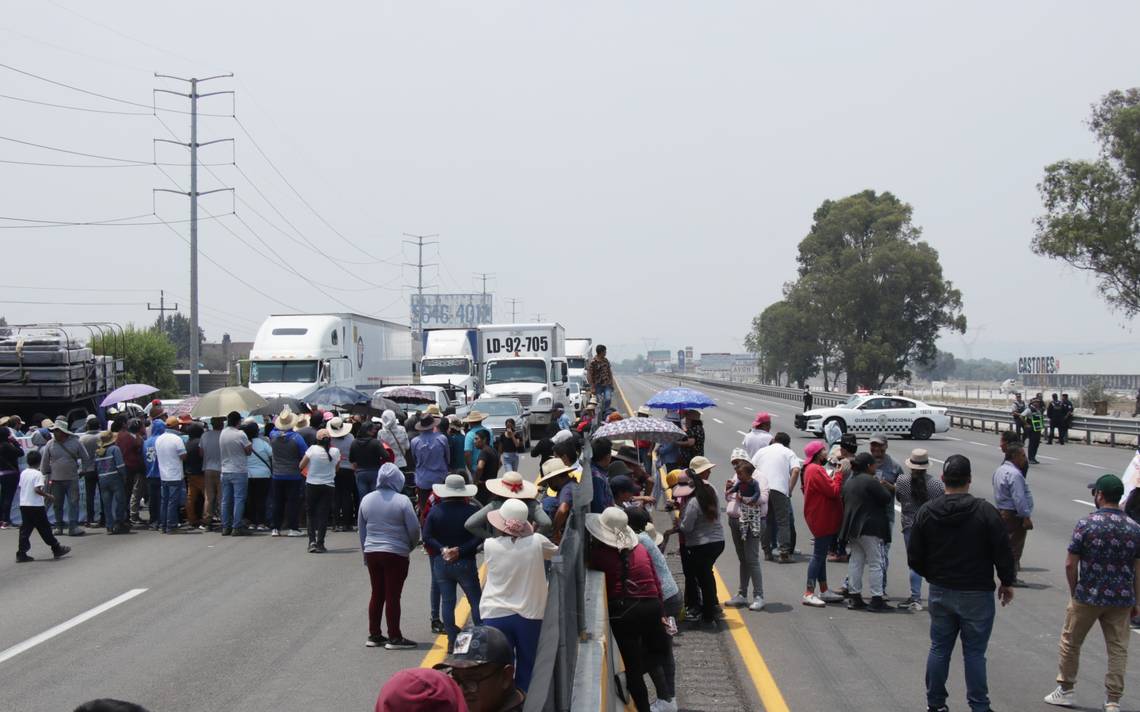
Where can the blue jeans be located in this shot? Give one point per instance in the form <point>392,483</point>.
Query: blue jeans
<point>365,481</point>
<point>154,500</point>
<point>969,614</point>
<point>510,462</point>
<point>915,579</point>
<point>605,395</point>
<point>171,499</point>
<point>465,573</point>
<point>235,485</point>
<point>817,567</point>
<point>113,492</point>
<point>69,490</point>
<point>522,633</point>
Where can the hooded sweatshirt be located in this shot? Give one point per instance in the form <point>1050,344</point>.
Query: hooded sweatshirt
<point>394,436</point>
<point>386,520</point>
<point>957,541</point>
<point>823,505</point>
<point>157,428</point>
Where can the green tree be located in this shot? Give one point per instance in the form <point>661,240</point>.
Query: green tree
<point>177,329</point>
<point>872,289</point>
<point>1092,208</point>
<point>148,357</point>
<point>787,344</point>
<point>939,369</point>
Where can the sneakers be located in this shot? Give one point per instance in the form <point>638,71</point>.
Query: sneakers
<point>664,706</point>
<point>877,604</point>
<point>227,531</point>
<point>830,596</point>
<point>275,532</point>
<point>76,532</point>
<point>312,547</point>
<point>757,604</point>
<point>913,605</point>
<point>321,548</point>
<point>294,532</point>
<point>400,643</point>
<point>736,601</point>
<point>240,531</point>
<point>22,558</point>
<point>855,602</point>
<point>437,626</point>
<point>1111,707</point>
<point>810,599</point>
<point>1062,697</point>
<point>61,552</point>
<point>940,708</point>
<point>375,641</point>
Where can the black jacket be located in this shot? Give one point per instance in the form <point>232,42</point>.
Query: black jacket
<point>957,541</point>
<point>865,503</point>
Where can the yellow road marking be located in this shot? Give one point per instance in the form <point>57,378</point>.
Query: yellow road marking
<point>762,680</point>
<point>438,650</point>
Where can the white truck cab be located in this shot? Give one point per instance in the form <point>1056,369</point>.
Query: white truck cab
<point>449,360</point>
<point>528,362</point>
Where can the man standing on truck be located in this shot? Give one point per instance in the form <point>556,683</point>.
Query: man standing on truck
<point>600,377</point>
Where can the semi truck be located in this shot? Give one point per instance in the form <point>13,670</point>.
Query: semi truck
<point>528,362</point>
<point>450,360</point>
<point>294,355</point>
<point>579,351</point>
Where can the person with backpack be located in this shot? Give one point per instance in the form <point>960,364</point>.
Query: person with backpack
<point>914,488</point>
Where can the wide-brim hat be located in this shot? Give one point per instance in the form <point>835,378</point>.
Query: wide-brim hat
<point>475,417</point>
<point>173,422</point>
<point>60,426</point>
<point>512,486</point>
<point>287,420</point>
<point>700,465</point>
<point>611,528</point>
<point>552,469</point>
<point>185,419</point>
<point>644,412</point>
<point>657,537</point>
<point>627,453</point>
<point>302,421</point>
<point>454,486</point>
<point>511,518</point>
<point>427,422</point>
<point>106,438</point>
<point>919,459</point>
<point>433,409</point>
<point>339,427</point>
<point>739,454</point>
<point>618,468</point>
<point>48,423</point>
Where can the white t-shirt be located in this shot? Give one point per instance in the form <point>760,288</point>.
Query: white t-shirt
<point>322,466</point>
<point>516,578</point>
<point>756,440</point>
<point>232,443</point>
<point>169,448</point>
<point>29,480</point>
<point>776,463</point>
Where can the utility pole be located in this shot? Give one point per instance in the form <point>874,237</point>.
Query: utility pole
<point>193,194</point>
<point>418,240</point>
<point>484,276</point>
<point>162,308</point>
<point>538,317</point>
<point>514,304</point>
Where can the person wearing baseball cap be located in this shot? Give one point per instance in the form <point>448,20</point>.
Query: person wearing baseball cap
<point>823,512</point>
<point>420,690</point>
<point>1101,570</point>
<point>760,436</point>
<point>482,663</point>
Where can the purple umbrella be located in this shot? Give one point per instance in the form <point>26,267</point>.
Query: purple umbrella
<point>651,429</point>
<point>127,392</point>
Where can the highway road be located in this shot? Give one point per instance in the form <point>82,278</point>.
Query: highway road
<point>835,659</point>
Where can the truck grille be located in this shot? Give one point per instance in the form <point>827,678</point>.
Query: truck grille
<point>524,398</point>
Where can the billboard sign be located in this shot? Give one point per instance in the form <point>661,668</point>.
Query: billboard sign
<point>1038,365</point>
<point>450,311</point>
<point>681,360</point>
<point>656,357</point>
<point>716,362</point>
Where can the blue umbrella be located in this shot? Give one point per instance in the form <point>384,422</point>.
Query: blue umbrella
<point>337,395</point>
<point>680,399</point>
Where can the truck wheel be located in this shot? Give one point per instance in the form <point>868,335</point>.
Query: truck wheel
<point>838,421</point>
<point>922,429</point>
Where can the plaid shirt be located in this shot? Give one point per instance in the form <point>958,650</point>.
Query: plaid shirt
<point>599,373</point>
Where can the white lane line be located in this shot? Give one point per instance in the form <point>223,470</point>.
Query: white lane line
<point>934,459</point>
<point>952,438</point>
<point>977,443</point>
<point>68,624</point>
<point>730,402</point>
<point>718,420</point>
<point>1095,467</point>
<point>1081,501</point>
<point>742,433</point>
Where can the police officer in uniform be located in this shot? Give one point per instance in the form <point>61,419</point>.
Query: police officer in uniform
<point>1033,420</point>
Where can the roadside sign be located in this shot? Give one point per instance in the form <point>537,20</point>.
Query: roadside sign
<point>450,311</point>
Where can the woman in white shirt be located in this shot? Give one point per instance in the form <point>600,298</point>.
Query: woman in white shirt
<point>514,594</point>
<point>320,463</point>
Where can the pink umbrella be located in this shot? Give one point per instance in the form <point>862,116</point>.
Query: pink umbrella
<point>127,392</point>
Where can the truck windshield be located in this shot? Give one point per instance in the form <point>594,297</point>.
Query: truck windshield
<point>576,362</point>
<point>283,372</point>
<point>516,371</point>
<point>445,367</point>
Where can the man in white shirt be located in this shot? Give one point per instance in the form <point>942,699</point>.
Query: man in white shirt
<point>759,437</point>
<point>235,449</point>
<point>781,468</point>
<point>170,451</point>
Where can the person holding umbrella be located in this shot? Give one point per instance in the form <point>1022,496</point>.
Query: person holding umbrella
<point>694,443</point>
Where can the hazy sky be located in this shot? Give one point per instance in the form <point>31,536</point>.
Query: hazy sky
<point>639,171</point>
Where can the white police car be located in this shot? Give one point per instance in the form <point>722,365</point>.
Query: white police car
<point>878,413</point>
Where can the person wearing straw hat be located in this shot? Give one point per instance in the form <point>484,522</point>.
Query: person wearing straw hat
<point>110,469</point>
<point>474,422</point>
<point>914,488</point>
<point>556,476</point>
<point>511,486</point>
<point>286,482</point>
<point>664,675</point>
<point>455,564</point>
<point>633,593</point>
<point>62,456</point>
<point>704,540</point>
<point>432,455</point>
<point>514,593</point>
<point>344,487</point>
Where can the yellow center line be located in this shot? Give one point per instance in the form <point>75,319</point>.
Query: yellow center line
<point>438,650</point>
<point>762,680</point>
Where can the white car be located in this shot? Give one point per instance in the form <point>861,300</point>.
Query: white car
<point>878,413</point>
<point>575,391</point>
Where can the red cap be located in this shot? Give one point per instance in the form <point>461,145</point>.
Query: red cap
<point>762,418</point>
<point>421,689</point>
<point>156,402</point>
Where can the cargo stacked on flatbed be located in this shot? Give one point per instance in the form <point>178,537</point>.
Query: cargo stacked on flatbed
<point>51,368</point>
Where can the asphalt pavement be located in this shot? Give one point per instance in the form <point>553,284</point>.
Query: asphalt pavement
<point>835,659</point>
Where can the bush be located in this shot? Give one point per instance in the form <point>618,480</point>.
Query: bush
<point>1092,392</point>
<point>149,357</point>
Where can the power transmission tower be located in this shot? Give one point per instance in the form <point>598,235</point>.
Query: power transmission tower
<point>514,308</point>
<point>193,194</point>
<point>418,240</point>
<point>162,308</point>
<point>484,276</point>
<point>538,317</point>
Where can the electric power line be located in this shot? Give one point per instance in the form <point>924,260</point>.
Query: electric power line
<point>75,108</point>
<point>89,155</point>
<point>93,223</point>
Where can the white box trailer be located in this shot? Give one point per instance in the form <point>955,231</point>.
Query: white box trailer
<point>528,362</point>
<point>450,360</point>
<point>297,354</point>
<point>579,351</point>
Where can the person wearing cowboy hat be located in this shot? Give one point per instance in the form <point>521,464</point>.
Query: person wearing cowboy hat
<point>432,455</point>
<point>914,488</point>
<point>634,596</point>
<point>286,482</point>
<point>111,471</point>
<point>510,486</point>
<point>344,514</point>
<point>704,541</point>
<point>62,456</point>
<point>474,422</point>
<point>631,456</point>
<point>556,477</point>
<point>455,565</point>
<point>514,593</point>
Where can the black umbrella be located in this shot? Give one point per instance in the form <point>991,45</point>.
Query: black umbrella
<point>274,406</point>
<point>338,395</point>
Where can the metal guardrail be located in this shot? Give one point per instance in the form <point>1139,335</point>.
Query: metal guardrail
<point>1117,431</point>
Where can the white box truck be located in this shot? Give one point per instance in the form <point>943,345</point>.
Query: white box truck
<point>450,359</point>
<point>528,362</point>
<point>579,351</point>
<point>296,354</point>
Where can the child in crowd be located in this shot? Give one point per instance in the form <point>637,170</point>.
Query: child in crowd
<point>33,510</point>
